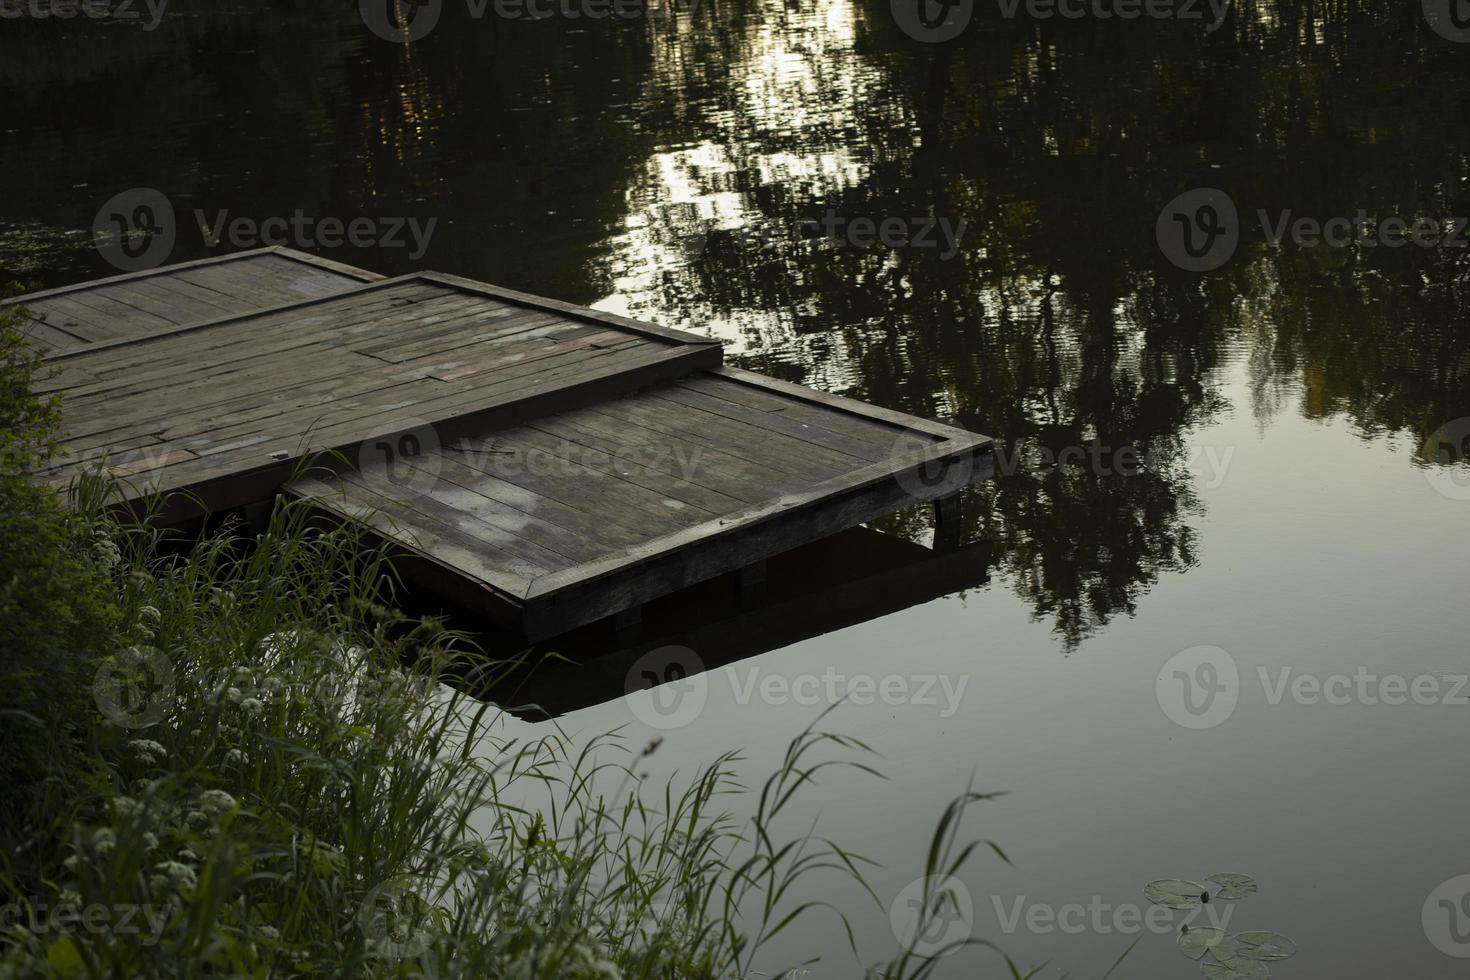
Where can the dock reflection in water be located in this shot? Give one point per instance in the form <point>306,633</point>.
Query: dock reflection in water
<point>850,578</point>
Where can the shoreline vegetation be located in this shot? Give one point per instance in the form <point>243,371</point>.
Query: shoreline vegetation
<point>236,757</point>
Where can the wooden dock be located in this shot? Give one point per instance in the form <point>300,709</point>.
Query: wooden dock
<point>548,464</point>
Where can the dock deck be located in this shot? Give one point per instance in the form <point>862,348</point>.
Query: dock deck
<point>546,463</point>
<point>575,516</point>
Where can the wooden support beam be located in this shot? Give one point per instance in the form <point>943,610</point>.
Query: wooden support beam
<point>947,516</point>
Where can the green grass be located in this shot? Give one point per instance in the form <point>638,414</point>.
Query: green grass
<point>237,758</point>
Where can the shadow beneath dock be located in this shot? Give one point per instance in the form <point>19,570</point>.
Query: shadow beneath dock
<point>849,578</point>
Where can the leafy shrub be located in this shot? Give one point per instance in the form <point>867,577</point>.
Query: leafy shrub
<point>57,617</point>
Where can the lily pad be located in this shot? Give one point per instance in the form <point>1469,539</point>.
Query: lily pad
<point>1233,886</point>
<point>1174,893</point>
<point>1236,969</point>
<point>1264,946</point>
<point>1195,943</point>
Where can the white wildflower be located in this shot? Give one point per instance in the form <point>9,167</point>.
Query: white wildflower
<point>180,875</point>
<point>216,801</point>
<point>148,751</point>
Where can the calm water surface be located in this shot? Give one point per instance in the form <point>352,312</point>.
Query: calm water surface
<point>1302,410</point>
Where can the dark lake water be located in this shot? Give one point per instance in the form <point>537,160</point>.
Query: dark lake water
<point>1224,634</point>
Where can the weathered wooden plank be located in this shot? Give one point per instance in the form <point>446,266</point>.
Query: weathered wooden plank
<point>721,472</point>
<point>329,265</point>
<point>767,449</point>
<point>118,312</point>
<point>482,520</point>
<point>153,296</point>
<point>145,362</point>
<point>848,406</point>
<point>549,524</point>
<point>249,288</point>
<point>88,323</point>
<point>266,333</point>
<point>601,496</point>
<point>571,311</point>
<point>68,317</point>
<point>820,417</point>
<point>137,296</point>
<point>421,530</point>
<point>170,284</point>
<point>668,474</point>
<point>490,361</point>
<point>487,324</point>
<point>306,259</point>
<point>47,337</point>
<point>775,422</point>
